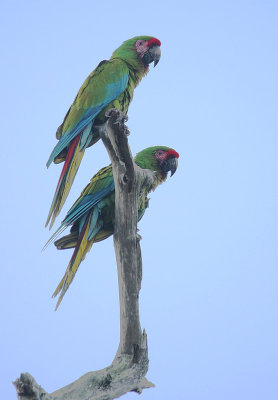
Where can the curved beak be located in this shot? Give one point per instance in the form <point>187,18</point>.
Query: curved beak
<point>152,55</point>
<point>171,164</point>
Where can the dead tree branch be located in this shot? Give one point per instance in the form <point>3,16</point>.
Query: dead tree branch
<point>130,365</point>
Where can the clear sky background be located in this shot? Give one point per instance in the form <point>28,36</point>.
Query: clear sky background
<point>210,257</point>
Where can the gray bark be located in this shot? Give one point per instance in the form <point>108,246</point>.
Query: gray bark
<point>130,365</point>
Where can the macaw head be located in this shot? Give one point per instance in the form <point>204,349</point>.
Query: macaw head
<point>158,158</point>
<point>144,48</point>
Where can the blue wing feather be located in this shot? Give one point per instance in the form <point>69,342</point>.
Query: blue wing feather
<point>86,203</point>
<point>112,90</point>
<point>80,209</point>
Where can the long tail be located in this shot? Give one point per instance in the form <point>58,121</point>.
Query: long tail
<point>81,249</point>
<point>70,168</point>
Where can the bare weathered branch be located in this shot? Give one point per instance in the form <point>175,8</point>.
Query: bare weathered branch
<point>121,377</point>
<point>126,243</point>
<point>130,365</point>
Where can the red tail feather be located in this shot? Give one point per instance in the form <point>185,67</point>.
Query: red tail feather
<point>79,240</point>
<point>68,158</point>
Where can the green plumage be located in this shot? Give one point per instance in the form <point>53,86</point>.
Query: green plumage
<point>123,61</point>
<point>92,215</point>
<point>110,85</point>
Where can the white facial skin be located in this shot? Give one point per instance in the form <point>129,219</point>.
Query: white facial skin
<point>161,155</point>
<point>141,47</point>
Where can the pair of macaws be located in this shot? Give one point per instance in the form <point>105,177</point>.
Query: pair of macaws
<point>91,217</point>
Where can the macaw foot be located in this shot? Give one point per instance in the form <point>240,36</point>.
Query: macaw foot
<point>119,118</point>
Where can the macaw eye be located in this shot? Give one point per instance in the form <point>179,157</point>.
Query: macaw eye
<point>140,43</point>
<point>159,154</point>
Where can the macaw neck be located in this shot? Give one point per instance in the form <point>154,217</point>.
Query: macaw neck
<point>136,67</point>
<point>149,179</point>
<point>136,74</point>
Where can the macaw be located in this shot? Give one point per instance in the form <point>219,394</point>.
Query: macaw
<point>92,215</point>
<point>110,85</point>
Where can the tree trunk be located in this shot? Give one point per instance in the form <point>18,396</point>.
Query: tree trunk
<point>127,371</point>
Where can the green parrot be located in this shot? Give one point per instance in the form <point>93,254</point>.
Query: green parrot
<point>110,85</point>
<point>92,215</point>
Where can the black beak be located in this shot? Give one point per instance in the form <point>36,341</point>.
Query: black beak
<point>171,164</point>
<point>152,55</point>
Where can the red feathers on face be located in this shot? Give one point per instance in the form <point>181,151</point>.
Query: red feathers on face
<point>173,153</point>
<point>154,42</point>
<point>162,155</point>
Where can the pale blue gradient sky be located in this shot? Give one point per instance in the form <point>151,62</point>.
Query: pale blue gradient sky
<point>210,256</point>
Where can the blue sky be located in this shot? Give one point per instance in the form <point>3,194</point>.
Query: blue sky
<point>210,257</point>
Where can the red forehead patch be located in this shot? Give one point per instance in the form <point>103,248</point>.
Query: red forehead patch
<point>153,42</point>
<point>173,153</point>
